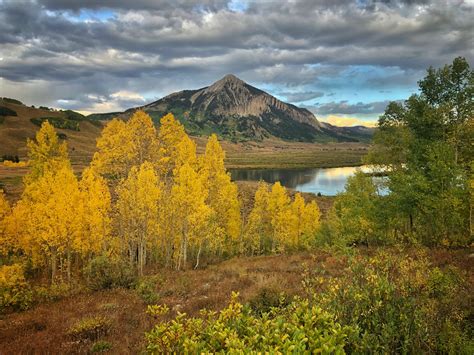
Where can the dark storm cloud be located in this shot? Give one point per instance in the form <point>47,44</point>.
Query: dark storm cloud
<point>345,108</point>
<point>301,96</point>
<point>156,47</point>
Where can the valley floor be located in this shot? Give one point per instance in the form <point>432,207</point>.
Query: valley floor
<point>44,329</point>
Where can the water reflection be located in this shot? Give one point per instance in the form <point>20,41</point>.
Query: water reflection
<point>328,181</point>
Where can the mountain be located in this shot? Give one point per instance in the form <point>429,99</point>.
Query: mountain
<point>238,111</point>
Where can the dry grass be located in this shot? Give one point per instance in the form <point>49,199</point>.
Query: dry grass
<point>45,328</point>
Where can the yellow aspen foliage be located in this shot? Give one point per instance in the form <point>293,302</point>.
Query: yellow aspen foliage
<point>188,199</point>
<point>298,209</point>
<point>46,153</point>
<point>15,231</point>
<point>311,223</point>
<point>305,222</point>
<point>185,153</point>
<point>125,144</point>
<point>5,211</point>
<point>94,213</point>
<point>114,151</point>
<point>258,230</point>
<point>278,207</point>
<point>144,138</point>
<point>51,222</point>
<point>137,211</point>
<point>170,135</point>
<point>222,194</point>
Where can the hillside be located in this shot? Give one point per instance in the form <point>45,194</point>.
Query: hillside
<point>238,111</point>
<point>269,153</point>
<point>78,131</point>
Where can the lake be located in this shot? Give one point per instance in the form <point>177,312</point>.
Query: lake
<point>327,181</point>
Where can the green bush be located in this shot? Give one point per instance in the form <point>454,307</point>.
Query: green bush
<point>58,122</point>
<point>101,346</point>
<point>296,328</point>
<point>266,299</point>
<point>14,291</point>
<point>90,328</point>
<point>399,304</point>
<point>73,115</point>
<point>12,101</point>
<point>10,157</point>
<point>5,111</point>
<point>54,292</point>
<point>146,289</point>
<point>104,272</point>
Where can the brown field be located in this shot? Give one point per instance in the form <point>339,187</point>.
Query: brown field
<point>44,329</point>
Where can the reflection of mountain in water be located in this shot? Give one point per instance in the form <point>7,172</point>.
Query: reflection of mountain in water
<point>326,181</point>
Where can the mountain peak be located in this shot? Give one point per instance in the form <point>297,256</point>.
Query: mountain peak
<point>230,80</point>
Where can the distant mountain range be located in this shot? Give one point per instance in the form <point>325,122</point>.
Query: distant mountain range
<point>238,111</point>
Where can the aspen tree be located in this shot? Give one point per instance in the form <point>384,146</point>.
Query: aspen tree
<point>46,153</point>
<point>306,221</point>
<point>171,134</point>
<point>137,211</point>
<point>5,211</point>
<point>278,206</point>
<point>258,229</point>
<point>188,197</point>
<point>310,222</point>
<point>143,139</point>
<point>94,212</point>
<point>126,144</point>
<point>298,209</point>
<point>222,193</point>
<point>51,220</point>
<point>114,150</point>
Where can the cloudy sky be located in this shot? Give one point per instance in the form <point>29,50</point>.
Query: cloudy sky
<point>344,60</point>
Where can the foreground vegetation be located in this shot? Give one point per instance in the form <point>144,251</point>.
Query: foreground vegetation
<point>260,281</point>
<point>149,202</point>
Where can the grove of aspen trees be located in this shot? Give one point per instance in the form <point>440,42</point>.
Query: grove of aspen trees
<point>146,199</point>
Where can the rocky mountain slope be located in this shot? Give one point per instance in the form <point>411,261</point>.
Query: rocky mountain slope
<point>238,111</point>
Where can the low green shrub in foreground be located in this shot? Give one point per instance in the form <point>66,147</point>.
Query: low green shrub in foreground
<point>296,328</point>
<point>398,304</point>
<point>90,328</point>
<point>104,272</point>
<point>391,302</point>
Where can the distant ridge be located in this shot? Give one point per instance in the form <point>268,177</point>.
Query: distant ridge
<point>238,111</point>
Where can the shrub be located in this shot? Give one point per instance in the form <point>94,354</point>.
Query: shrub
<point>101,346</point>
<point>11,158</point>
<point>58,122</point>
<point>54,292</point>
<point>103,272</point>
<point>296,328</point>
<point>398,303</point>
<point>73,115</point>
<point>90,328</point>
<point>266,299</point>
<point>5,111</point>
<point>14,291</point>
<point>146,289</point>
<point>12,101</point>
